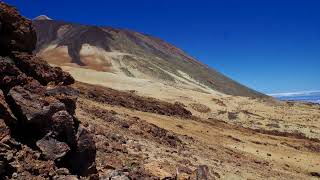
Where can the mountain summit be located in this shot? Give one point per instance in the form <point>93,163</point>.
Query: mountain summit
<point>42,17</point>
<point>128,53</point>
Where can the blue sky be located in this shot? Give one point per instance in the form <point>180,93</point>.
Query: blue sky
<point>270,45</point>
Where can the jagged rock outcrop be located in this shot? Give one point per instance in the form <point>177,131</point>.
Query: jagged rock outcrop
<point>17,33</point>
<point>39,133</point>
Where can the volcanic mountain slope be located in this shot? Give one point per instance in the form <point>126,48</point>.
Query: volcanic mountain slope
<point>128,53</point>
<point>157,113</point>
<point>54,128</point>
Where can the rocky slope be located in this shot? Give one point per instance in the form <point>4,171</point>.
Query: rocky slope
<point>130,54</point>
<point>40,136</point>
<point>54,128</point>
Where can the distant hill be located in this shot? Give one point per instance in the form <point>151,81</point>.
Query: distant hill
<point>129,53</point>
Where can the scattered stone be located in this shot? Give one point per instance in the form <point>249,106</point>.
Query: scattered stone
<point>64,177</point>
<point>200,108</point>
<point>201,173</point>
<point>315,174</point>
<point>62,171</point>
<point>232,115</point>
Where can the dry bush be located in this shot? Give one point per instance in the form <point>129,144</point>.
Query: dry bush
<point>200,108</point>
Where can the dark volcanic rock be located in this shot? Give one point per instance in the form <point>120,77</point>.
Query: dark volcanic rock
<point>16,32</point>
<point>132,101</point>
<point>66,95</point>
<point>38,130</point>
<point>33,108</point>
<point>52,149</point>
<point>4,108</point>
<point>63,127</point>
<point>83,159</point>
<point>10,75</point>
<point>41,70</point>
<point>4,131</point>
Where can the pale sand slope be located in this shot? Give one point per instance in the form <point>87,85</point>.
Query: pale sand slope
<point>230,150</point>
<point>247,112</point>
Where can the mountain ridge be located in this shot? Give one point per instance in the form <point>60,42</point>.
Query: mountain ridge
<point>130,53</point>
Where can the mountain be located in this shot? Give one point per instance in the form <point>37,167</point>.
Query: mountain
<point>55,126</point>
<point>128,53</point>
<point>42,17</point>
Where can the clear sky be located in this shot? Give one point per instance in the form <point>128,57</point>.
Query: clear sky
<point>269,45</point>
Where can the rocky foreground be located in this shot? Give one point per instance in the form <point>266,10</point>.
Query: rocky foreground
<point>40,136</point>
<point>52,127</point>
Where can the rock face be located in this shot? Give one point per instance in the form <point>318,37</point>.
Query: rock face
<point>39,132</point>
<point>17,33</point>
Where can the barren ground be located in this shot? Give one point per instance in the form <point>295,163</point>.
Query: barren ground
<point>236,137</point>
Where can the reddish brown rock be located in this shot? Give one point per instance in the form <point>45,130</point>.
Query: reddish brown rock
<point>40,70</point>
<point>132,101</point>
<point>38,129</point>
<point>63,127</point>
<point>10,75</point>
<point>16,32</point>
<point>66,95</point>
<point>52,149</point>
<point>83,160</point>
<point>4,131</point>
<point>33,108</point>
<point>27,165</point>
<point>4,108</point>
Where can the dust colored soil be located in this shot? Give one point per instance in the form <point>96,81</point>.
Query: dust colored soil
<point>238,138</point>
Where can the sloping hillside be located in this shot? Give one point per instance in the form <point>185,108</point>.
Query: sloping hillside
<point>128,53</point>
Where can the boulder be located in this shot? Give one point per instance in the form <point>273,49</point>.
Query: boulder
<point>16,32</point>
<point>83,160</point>
<point>66,95</point>
<point>52,149</point>
<point>33,109</point>
<point>63,127</point>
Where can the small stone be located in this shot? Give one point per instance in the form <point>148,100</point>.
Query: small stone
<point>315,174</point>
<point>62,171</point>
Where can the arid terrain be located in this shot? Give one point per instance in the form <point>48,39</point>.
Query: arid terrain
<point>143,118</point>
<point>236,137</point>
